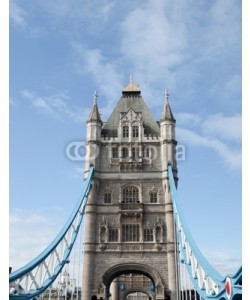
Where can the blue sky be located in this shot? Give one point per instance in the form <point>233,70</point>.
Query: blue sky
<point>61,51</point>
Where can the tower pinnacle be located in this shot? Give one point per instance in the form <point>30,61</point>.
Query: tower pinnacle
<point>167,113</point>
<point>94,114</point>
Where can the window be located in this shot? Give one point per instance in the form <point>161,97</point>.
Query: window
<point>113,235</point>
<point>148,235</point>
<point>114,152</point>
<point>130,195</point>
<point>130,233</point>
<point>107,197</point>
<point>153,197</point>
<point>125,131</point>
<point>135,152</point>
<point>124,152</point>
<point>147,152</point>
<point>135,131</point>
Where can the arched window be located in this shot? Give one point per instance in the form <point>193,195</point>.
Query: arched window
<point>113,235</point>
<point>130,233</point>
<point>135,131</point>
<point>153,197</point>
<point>124,152</point>
<point>148,235</point>
<point>107,197</point>
<point>125,131</point>
<point>130,194</point>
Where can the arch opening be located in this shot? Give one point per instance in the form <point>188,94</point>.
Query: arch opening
<point>122,280</point>
<point>132,286</point>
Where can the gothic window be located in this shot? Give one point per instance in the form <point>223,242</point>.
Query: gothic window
<point>113,235</point>
<point>124,152</point>
<point>130,194</point>
<point>125,131</point>
<point>130,233</point>
<point>115,152</point>
<point>148,235</point>
<point>153,197</point>
<point>107,197</point>
<point>135,152</point>
<point>135,131</point>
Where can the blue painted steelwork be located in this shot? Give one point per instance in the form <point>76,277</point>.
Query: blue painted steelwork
<point>40,266</point>
<point>206,280</point>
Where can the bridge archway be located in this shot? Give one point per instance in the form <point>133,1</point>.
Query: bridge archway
<point>134,268</point>
<point>150,295</point>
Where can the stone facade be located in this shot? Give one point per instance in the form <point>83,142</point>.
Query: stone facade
<point>129,218</point>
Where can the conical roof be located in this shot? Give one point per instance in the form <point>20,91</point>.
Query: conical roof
<point>167,112</point>
<point>94,115</point>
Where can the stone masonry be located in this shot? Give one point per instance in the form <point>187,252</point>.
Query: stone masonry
<point>129,230</point>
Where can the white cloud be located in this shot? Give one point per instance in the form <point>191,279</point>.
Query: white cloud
<point>233,86</point>
<point>33,218</point>
<point>76,172</point>
<point>226,128</point>
<point>29,234</point>
<point>56,106</point>
<point>152,42</point>
<point>106,73</point>
<point>216,132</point>
<point>149,40</point>
<point>224,262</point>
<point>188,118</point>
<point>17,15</point>
<point>32,232</point>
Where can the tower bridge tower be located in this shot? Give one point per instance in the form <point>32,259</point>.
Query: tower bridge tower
<point>129,231</point>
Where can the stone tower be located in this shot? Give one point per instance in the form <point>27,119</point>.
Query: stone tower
<point>129,231</point>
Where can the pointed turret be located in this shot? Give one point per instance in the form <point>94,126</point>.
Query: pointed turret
<point>93,137</point>
<point>94,115</point>
<point>167,112</point>
<point>168,134</point>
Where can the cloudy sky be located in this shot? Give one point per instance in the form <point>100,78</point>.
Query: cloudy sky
<point>62,51</point>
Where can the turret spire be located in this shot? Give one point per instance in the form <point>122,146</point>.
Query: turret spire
<point>167,113</point>
<point>94,114</point>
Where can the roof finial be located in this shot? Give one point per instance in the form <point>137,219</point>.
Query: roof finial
<point>95,96</point>
<point>131,78</point>
<point>166,96</point>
